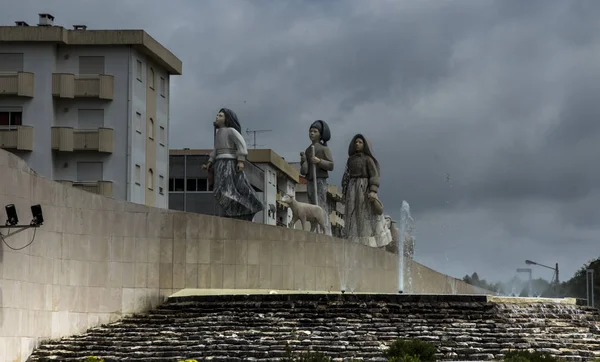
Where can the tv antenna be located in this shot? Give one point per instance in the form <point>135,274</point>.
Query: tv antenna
<point>254,132</point>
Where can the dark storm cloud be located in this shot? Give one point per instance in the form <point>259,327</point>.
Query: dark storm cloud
<point>483,114</point>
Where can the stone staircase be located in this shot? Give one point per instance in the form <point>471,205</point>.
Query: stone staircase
<point>258,327</point>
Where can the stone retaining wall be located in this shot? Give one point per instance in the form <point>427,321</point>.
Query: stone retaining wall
<point>96,259</point>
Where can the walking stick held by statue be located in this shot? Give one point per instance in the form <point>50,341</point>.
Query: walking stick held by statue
<point>314,175</point>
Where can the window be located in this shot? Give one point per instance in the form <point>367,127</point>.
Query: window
<point>138,71</point>
<point>90,118</point>
<point>91,65</point>
<point>150,130</point>
<point>163,87</point>
<point>196,185</point>
<point>11,116</point>
<point>161,135</point>
<point>89,171</point>
<point>151,78</point>
<point>176,184</point>
<point>150,181</point>
<point>161,185</point>
<point>11,62</point>
<point>138,175</point>
<point>138,122</point>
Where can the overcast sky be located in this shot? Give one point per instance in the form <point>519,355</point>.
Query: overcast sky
<point>484,115</point>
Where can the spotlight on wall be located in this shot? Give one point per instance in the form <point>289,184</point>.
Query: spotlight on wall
<point>38,216</point>
<point>11,215</point>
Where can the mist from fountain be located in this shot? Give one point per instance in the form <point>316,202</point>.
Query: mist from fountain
<point>405,221</point>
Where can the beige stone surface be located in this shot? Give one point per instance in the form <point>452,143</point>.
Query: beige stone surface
<point>96,259</point>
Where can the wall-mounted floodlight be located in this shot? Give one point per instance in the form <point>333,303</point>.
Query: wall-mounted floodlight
<point>38,216</point>
<point>12,222</point>
<point>12,218</point>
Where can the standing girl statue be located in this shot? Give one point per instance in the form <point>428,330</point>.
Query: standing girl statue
<point>363,220</point>
<point>232,190</point>
<point>322,160</point>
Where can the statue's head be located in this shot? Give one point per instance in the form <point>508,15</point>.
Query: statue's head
<point>360,144</point>
<point>227,118</point>
<point>287,199</point>
<point>319,132</point>
<point>388,221</point>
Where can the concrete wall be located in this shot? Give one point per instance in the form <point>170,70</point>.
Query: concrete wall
<point>96,259</point>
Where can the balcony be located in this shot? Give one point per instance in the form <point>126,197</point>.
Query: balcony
<point>19,84</point>
<point>17,138</point>
<point>335,220</point>
<point>103,188</point>
<point>68,139</point>
<point>66,85</point>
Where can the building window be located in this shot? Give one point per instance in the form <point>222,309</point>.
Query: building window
<point>150,129</point>
<point>161,185</point>
<point>150,180</point>
<point>163,87</point>
<point>11,116</point>
<point>196,185</point>
<point>91,65</point>
<point>138,175</point>
<point>151,78</point>
<point>138,70</point>
<point>89,171</point>
<point>162,135</point>
<point>11,62</point>
<point>176,184</point>
<point>138,122</point>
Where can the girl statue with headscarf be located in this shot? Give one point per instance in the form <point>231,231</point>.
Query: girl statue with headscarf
<point>319,135</point>
<point>363,218</point>
<point>233,192</point>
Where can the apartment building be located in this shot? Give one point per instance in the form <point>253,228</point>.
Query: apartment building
<point>88,107</point>
<point>268,173</point>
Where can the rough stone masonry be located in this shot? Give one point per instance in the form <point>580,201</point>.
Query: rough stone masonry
<point>258,327</point>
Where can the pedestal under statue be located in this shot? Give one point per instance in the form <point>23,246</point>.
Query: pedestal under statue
<point>363,220</point>
<point>318,165</point>
<point>233,192</point>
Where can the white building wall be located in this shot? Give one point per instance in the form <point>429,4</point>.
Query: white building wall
<point>138,121</point>
<point>162,141</point>
<point>37,111</point>
<point>43,111</point>
<point>115,115</point>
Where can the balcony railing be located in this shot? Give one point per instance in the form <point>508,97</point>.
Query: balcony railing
<point>20,84</point>
<point>68,139</point>
<point>17,138</point>
<point>66,85</point>
<point>103,188</point>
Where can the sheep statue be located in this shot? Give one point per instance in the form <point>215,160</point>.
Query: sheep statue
<point>306,212</point>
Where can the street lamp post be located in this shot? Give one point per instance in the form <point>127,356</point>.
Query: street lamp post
<point>555,269</point>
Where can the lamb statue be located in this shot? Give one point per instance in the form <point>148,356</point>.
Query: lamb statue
<point>306,212</point>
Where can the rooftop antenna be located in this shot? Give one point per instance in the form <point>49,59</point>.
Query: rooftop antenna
<point>254,132</point>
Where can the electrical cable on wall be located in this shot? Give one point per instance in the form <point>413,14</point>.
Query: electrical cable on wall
<point>12,222</point>
<point>17,249</point>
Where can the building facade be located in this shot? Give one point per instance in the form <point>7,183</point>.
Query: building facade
<point>268,173</point>
<point>88,107</point>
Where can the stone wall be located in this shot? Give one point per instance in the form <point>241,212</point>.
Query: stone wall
<point>360,326</point>
<point>96,259</point>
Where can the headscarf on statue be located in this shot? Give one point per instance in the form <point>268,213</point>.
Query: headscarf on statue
<point>323,131</point>
<point>231,119</point>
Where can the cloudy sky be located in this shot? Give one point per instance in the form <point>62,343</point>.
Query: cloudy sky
<point>484,115</point>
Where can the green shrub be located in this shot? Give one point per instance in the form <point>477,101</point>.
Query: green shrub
<point>304,356</point>
<point>94,359</point>
<point>413,350</point>
<point>405,358</point>
<point>526,356</point>
<point>188,360</point>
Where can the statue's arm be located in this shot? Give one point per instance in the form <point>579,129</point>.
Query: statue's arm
<point>373,175</point>
<point>240,144</point>
<point>327,161</point>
